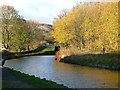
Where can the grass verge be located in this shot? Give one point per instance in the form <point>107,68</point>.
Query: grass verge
<point>35,81</point>
<point>107,61</point>
<point>45,51</point>
<point>48,49</point>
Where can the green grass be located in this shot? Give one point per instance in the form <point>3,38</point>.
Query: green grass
<point>35,81</point>
<point>28,54</point>
<point>6,84</point>
<point>18,55</point>
<point>48,49</point>
<point>108,61</point>
<point>40,52</point>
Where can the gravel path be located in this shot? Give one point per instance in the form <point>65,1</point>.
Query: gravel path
<point>12,81</point>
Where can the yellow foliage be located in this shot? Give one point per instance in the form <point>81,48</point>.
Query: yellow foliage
<point>95,25</point>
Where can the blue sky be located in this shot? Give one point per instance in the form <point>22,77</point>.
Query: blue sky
<point>41,10</point>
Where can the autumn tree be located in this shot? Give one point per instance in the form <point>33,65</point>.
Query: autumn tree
<point>90,26</point>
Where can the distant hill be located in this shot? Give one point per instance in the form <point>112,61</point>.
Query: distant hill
<point>43,27</point>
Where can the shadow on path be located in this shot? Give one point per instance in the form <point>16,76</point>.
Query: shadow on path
<point>11,81</point>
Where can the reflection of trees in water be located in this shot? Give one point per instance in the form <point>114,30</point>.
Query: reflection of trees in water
<point>64,67</point>
<point>101,76</point>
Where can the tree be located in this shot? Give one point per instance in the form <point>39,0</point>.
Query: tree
<point>21,33</point>
<point>8,14</point>
<point>18,33</point>
<point>62,14</point>
<point>91,26</point>
<point>35,35</point>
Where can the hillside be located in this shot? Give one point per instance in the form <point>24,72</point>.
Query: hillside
<point>43,27</point>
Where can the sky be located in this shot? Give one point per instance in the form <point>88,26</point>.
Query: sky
<point>41,10</point>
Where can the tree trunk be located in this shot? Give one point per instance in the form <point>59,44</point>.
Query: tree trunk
<point>28,48</point>
<point>104,50</point>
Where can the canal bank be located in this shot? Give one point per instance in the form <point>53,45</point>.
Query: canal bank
<point>16,79</point>
<point>43,50</point>
<point>100,60</point>
<point>37,52</point>
<point>105,61</point>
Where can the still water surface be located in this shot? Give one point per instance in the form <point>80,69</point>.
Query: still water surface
<point>73,76</point>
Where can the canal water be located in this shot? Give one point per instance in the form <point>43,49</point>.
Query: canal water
<point>70,75</point>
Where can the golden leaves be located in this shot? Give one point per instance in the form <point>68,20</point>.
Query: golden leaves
<point>97,25</point>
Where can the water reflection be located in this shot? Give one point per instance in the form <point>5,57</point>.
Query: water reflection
<point>74,76</point>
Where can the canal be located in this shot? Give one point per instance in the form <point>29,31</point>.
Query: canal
<point>70,75</point>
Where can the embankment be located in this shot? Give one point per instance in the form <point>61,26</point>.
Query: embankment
<point>106,61</point>
<point>10,55</point>
<point>30,81</point>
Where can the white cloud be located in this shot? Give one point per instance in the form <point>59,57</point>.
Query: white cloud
<point>41,10</point>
